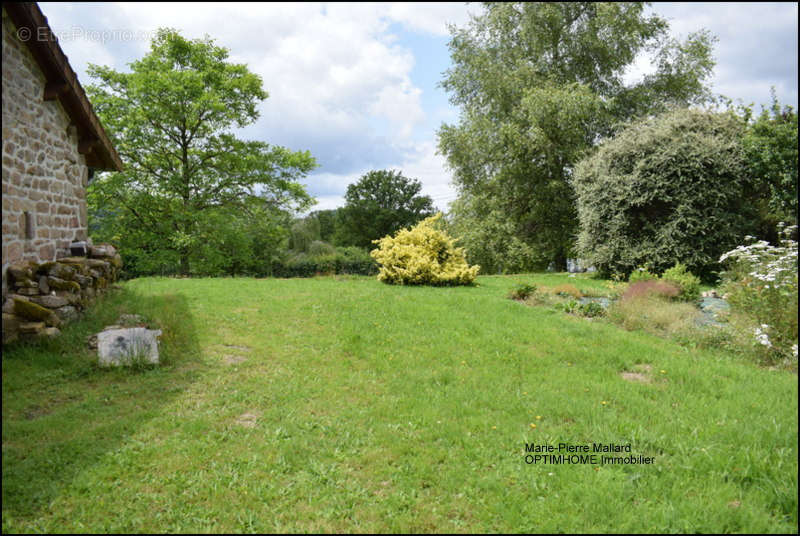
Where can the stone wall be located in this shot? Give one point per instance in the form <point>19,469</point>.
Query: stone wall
<point>43,296</point>
<point>44,176</point>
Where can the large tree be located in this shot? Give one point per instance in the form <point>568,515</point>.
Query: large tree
<point>327,220</point>
<point>188,182</point>
<point>538,84</point>
<point>771,148</point>
<point>380,203</point>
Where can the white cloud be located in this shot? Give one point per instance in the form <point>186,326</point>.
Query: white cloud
<point>328,202</point>
<point>93,51</point>
<point>419,162</point>
<point>422,163</point>
<point>430,17</point>
<point>756,47</point>
<point>332,68</point>
<point>325,66</point>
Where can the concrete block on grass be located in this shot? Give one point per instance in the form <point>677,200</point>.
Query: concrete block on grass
<point>117,347</point>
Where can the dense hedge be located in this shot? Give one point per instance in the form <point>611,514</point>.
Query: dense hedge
<point>320,259</point>
<point>349,260</point>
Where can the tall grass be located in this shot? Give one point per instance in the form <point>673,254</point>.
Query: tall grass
<point>654,314</point>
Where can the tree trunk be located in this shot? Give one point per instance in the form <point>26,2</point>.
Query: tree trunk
<point>560,261</point>
<point>184,263</point>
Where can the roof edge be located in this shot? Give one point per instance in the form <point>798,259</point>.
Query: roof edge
<point>62,83</point>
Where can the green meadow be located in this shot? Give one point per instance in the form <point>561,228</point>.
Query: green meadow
<point>340,404</point>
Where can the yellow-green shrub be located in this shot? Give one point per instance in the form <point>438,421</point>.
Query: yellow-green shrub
<point>688,283</point>
<point>422,255</point>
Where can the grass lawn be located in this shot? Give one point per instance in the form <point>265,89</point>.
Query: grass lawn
<point>349,405</point>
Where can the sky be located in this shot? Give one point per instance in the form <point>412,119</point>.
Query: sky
<point>357,84</point>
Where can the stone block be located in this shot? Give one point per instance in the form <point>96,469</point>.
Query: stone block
<point>62,271</point>
<point>72,260</point>
<point>50,301</point>
<point>102,250</point>
<point>117,347</point>
<point>53,320</point>
<point>47,251</point>
<point>44,288</point>
<point>26,283</point>
<point>83,280</point>
<point>89,292</point>
<point>45,267</point>
<point>67,313</point>
<point>11,324</point>
<point>30,311</point>
<point>31,327</point>
<point>15,251</point>
<point>97,264</point>
<point>73,298</point>
<point>29,291</point>
<point>49,332</point>
<point>20,272</point>
<point>57,283</point>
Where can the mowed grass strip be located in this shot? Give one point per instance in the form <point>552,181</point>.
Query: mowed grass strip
<point>342,404</point>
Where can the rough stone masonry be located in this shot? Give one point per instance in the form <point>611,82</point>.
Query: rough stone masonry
<point>44,176</point>
<point>43,296</point>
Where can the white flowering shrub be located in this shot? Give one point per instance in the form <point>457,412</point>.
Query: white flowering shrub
<point>761,281</point>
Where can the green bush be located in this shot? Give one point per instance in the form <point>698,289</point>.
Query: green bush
<point>490,240</point>
<point>354,260</point>
<point>570,307</point>
<point>522,292</point>
<point>771,148</point>
<point>574,307</point>
<point>318,248</point>
<point>668,189</point>
<point>688,284</point>
<point>591,309</point>
<point>641,274</point>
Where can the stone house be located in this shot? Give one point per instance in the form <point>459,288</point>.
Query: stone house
<point>52,143</point>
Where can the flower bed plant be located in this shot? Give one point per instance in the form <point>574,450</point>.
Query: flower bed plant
<point>761,282</point>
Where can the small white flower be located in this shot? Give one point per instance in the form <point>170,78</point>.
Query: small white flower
<point>762,338</point>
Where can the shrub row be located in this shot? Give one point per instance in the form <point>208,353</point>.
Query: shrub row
<point>349,260</point>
